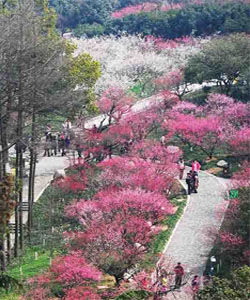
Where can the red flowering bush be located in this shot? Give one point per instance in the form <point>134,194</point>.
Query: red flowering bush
<point>201,132</point>
<point>242,177</point>
<point>135,172</point>
<point>230,240</point>
<point>66,272</point>
<point>81,293</point>
<point>232,243</point>
<point>144,7</point>
<point>38,293</point>
<point>73,268</point>
<point>151,206</point>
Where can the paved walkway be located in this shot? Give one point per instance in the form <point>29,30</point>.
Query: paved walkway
<point>189,243</point>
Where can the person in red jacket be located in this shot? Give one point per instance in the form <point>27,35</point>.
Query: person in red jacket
<point>179,272</point>
<point>196,166</point>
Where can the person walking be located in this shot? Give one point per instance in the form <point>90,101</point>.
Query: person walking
<point>67,142</point>
<point>179,273</point>
<point>61,144</point>
<point>181,164</point>
<point>47,148</point>
<point>195,182</point>
<point>54,145</point>
<point>189,182</point>
<point>195,166</point>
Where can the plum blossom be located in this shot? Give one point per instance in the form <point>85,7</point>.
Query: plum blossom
<point>130,59</point>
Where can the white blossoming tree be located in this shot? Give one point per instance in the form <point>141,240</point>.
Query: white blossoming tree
<point>132,60</point>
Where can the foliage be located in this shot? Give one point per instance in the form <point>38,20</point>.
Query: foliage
<point>204,19</point>
<point>7,202</point>
<point>235,287</point>
<point>202,132</point>
<point>150,206</point>
<point>81,293</point>
<point>175,19</point>
<point>134,172</point>
<point>114,104</point>
<point>7,282</point>
<point>210,63</point>
<point>118,227</point>
<point>73,13</point>
<point>173,81</point>
<point>221,123</point>
<point>144,7</point>
<point>88,30</point>
<point>170,222</point>
<point>30,266</point>
<point>10,296</point>
<point>233,240</point>
<point>135,295</point>
<point>48,213</point>
<point>64,278</point>
<point>84,71</point>
<point>231,246</point>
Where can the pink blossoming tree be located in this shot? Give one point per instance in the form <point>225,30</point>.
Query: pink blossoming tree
<point>201,132</point>
<point>71,273</point>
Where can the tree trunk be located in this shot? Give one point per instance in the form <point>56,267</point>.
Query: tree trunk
<point>20,123</point>
<point>2,252</point>
<point>2,174</point>
<point>20,202</point>
<point>31,175</point>
<point>30,202</point>
<point>8,244</point>
<point>16,248</point>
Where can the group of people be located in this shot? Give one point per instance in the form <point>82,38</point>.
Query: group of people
<point>59,142</point>
<point>178,282</point>
<point>192,178</point>
<point>179,273</point>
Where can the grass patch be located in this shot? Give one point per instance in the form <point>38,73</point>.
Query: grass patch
<point>162,238</point>
<point>134,295</point>
<point>9,295</point>
<point>30,266</point>
<point>143,89</point>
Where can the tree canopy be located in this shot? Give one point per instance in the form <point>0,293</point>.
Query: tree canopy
<point>224,60</point>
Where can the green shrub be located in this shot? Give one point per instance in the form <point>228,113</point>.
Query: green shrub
<point>134,295</point>
<point>89,30</point>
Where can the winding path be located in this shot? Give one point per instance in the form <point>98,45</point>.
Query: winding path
<point>190,243</point>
